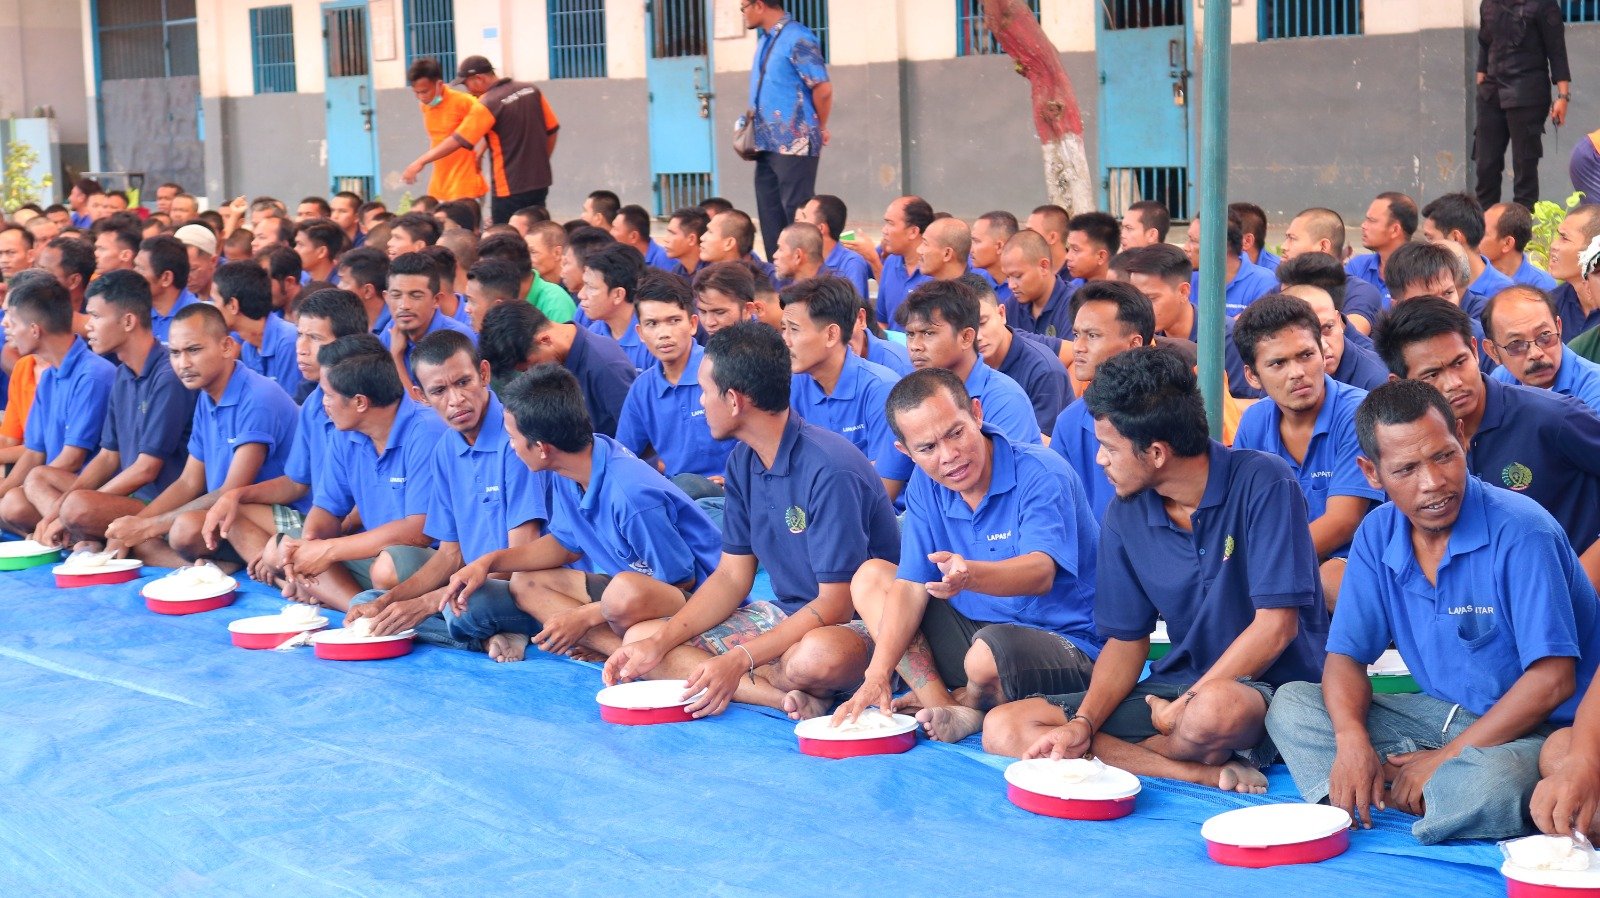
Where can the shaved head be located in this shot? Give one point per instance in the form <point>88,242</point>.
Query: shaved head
<point>951,233</point>
<point>1031,244</point>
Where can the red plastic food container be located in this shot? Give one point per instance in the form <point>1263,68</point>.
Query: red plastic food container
<point>819,738</point>
<point>1523,882</point>
<point>1277,834</point>
<point>645,702</point>
<point>271,630</point>
<point>119,570</point>
<point>342,645</point>
<point>1040,786</point>
<point>171,595</point>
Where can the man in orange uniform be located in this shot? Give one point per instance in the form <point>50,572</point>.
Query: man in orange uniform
<point>455,122</point>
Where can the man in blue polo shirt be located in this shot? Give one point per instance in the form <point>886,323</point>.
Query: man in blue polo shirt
<point>164,262</point>
<point>1507,230</point>
<point>1164,275</point>
<point>1041,302</point>
<point>996,572</point>
<point>243,293</point>
<point>1215,541</point>
<point>1320,233</point>
<point>241,432</point>
<point>1390,221</point>
<point>662,416</point>
<point>1308,420</point>
<point>1481,593</point>
<point>940,319</point>
<point>483,499</point>
<point>643,545</point>
<point>253,518</point>
<point>1112,317</point>
<point>379,464</point>
<point>805,505</point>
<point>833,387</point>
<point>517,337</point>
<point>1037,370</point>
<point>1535,442</point>
<point>413,300</point>
<point>68,413</point>
<point>1457,218</point>
<point>870,341</point>
<point>610,275</point>
<point>146,424</point>
<point>1522,333</point>
<point>1567,799</point>
<point>1243,280</point>
<point>903,224</point>
<point>1321,281</point>
<point>829,214</point>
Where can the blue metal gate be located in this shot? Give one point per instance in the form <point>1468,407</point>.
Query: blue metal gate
<point>1142,49</point>
<point>682,164</point>
<point>352,131</point>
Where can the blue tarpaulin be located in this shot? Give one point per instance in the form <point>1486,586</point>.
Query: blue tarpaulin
<point>143,755</point>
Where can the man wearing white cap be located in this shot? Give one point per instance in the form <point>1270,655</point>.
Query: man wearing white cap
<point>201,242</point>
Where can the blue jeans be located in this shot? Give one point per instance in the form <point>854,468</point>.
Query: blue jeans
<point>1482,793</point>
<point>433,629</point>
<point>490,610</point>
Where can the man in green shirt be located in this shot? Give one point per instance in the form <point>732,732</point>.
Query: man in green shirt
<point>550,298</point>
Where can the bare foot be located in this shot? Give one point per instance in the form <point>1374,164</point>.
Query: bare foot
<point>803,705</point>
<point>506,647</point>
<point>1242,778</point>
<point>950,723</point>
<point>584,653</point>
<point>906,704</point>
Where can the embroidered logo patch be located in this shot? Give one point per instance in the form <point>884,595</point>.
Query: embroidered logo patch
<point>1516,476</point>
<point>1227,548</point>
<point>794,517</point>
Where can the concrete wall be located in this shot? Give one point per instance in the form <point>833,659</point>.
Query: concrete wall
<point>257,134</point>
<point>151,127</point>
<point>39,44</point>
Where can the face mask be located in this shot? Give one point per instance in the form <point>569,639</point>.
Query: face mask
<point>437,100</point>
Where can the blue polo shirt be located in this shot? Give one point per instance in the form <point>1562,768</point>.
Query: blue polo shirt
<point>1267,260</point>
<point>1546,446</point>
<point>1490,282</point>
<point>1361,298</point>
<point>463,313</point>
<point>440,321</point>
<point>149,413</point>
<point>1574,320</point>
<point>383,323</point>
<point>604,374</point>
<point>388,487</point>
<point>813,517</point>
<point>311,435</point>
<point>1473,303</point>
<point>847,263</point>
<point>633,519</point>
<point>1577,377</point>
<point>1232,361</point>
<point>1248,284</point>
<point>1034,504</point>
<point>160,324</point>
<point>1510,592</point>
<point>1056,318</point>
<point>656,257</point>
<point>1360,366</point>
<point>1005,406</point>
<point>855,409</point>
<point>276,357</point>
<point>1250,549</point>
<point>1531,275</point>
<point>1368,267</point>
<point>1041,376</point>
<point>632,346</point>
<point>1073,439</point>
<point>252,410</point>
<point>483,490</point>
<point>1002,288</point>
<point>667,418</point>
<point>889,354</point>
<point>893,285</point>
<point>69,403</point>
<point>1329,468</point>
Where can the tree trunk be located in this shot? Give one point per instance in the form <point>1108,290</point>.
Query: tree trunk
<point>1056,116</point>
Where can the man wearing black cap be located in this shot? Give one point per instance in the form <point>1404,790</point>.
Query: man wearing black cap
<point>523,137</point>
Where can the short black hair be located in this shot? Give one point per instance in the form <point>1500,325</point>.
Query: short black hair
<point>729,278</point>
<point>340,308</point>
<point>443,259</point>
<point>619,266</point>
<point>499,277</point>
<point>463,214</point>
<point>1516,291</point>
<point>751,358</point>
<point>350,195</point>
<point>346,346</point>
<point>126,291</point>
<point>1134,311</point>
<point>77,256</point>
<point>828,300</point>
<point>211,319</point>
<point>1150,395</point>
<point>1403,209</point>
<point>280,262</point>
<point>1003,223</point>
<point>250,285</point>
<point>605,204</point>
<point>833,212</point>
<point>715,205</point>
<point>416,263</point>
<point>918,213</point>
<point>760,277</point>
<point>916,388</point>
<point>1398,402</point>
<point>419,226</point>
<point>1270,315</point>
<point>24,233</point>
<point>1252,221</point>
<point>585,240</point>
<point>368,266</point>
<point>1154,214</point>
<point>365,372</point>
<point>324,233</point>
<point>1235,233</point>
<point>1315,270</point>
<point>424,67</point>
<point>1515,222</point>
<point>980,287</point>
<point>39,298</point>
<point>437,348</point>
<point>507,248</point>
<point>1413,321</point>
<point>741,229</point>
<point>128,238</point>
<point>547,405</point>
<point>168,255</point>
<point>1457,212</point>
<point>635,218</point>
<point>509,331</point>
<point>1099,228</point>
<point>955,302</point>
<point>662,286</point>
<point>1055,219</point>
<point>1418,262</point>
<point>323,209</point>
<point>693,218</point>
<point>532,213</point>
<point>1158,260</point>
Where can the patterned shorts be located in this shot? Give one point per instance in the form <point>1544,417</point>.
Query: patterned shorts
<point>753,620</point>
<point>287,520</point>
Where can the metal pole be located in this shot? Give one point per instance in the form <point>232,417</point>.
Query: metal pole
<point>1213,205</point>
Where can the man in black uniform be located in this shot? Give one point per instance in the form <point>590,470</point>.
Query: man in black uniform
<point>522,140</point>
<point>1522,50</point>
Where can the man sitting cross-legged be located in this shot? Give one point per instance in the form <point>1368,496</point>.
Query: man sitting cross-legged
<point>996,568</point>
<point>1568,798</point>
<point>645,544</point>
<point>1213,540</point>
<point>1483,595</point>
<point>241,431</point>
<point>804,503</point>
<point>484,499</point>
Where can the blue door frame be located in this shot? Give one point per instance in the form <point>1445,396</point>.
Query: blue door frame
<point>683,166</point>
<point>1147,116</point>
<point>351,104</point>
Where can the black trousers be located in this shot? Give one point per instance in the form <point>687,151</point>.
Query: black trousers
<point>1522,127</point>
<point>783,184</point>
<point>503,207</point>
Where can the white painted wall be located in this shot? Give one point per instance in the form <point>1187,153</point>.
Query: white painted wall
<point>38,42</point>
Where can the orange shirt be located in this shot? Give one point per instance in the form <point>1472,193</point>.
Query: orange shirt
<point>19,397</point>
<point>459,117</point>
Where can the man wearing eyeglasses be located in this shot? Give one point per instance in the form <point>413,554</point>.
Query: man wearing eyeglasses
<point>1523,333</point>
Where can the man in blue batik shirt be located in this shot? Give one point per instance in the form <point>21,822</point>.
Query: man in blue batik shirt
<point>792,97</point>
